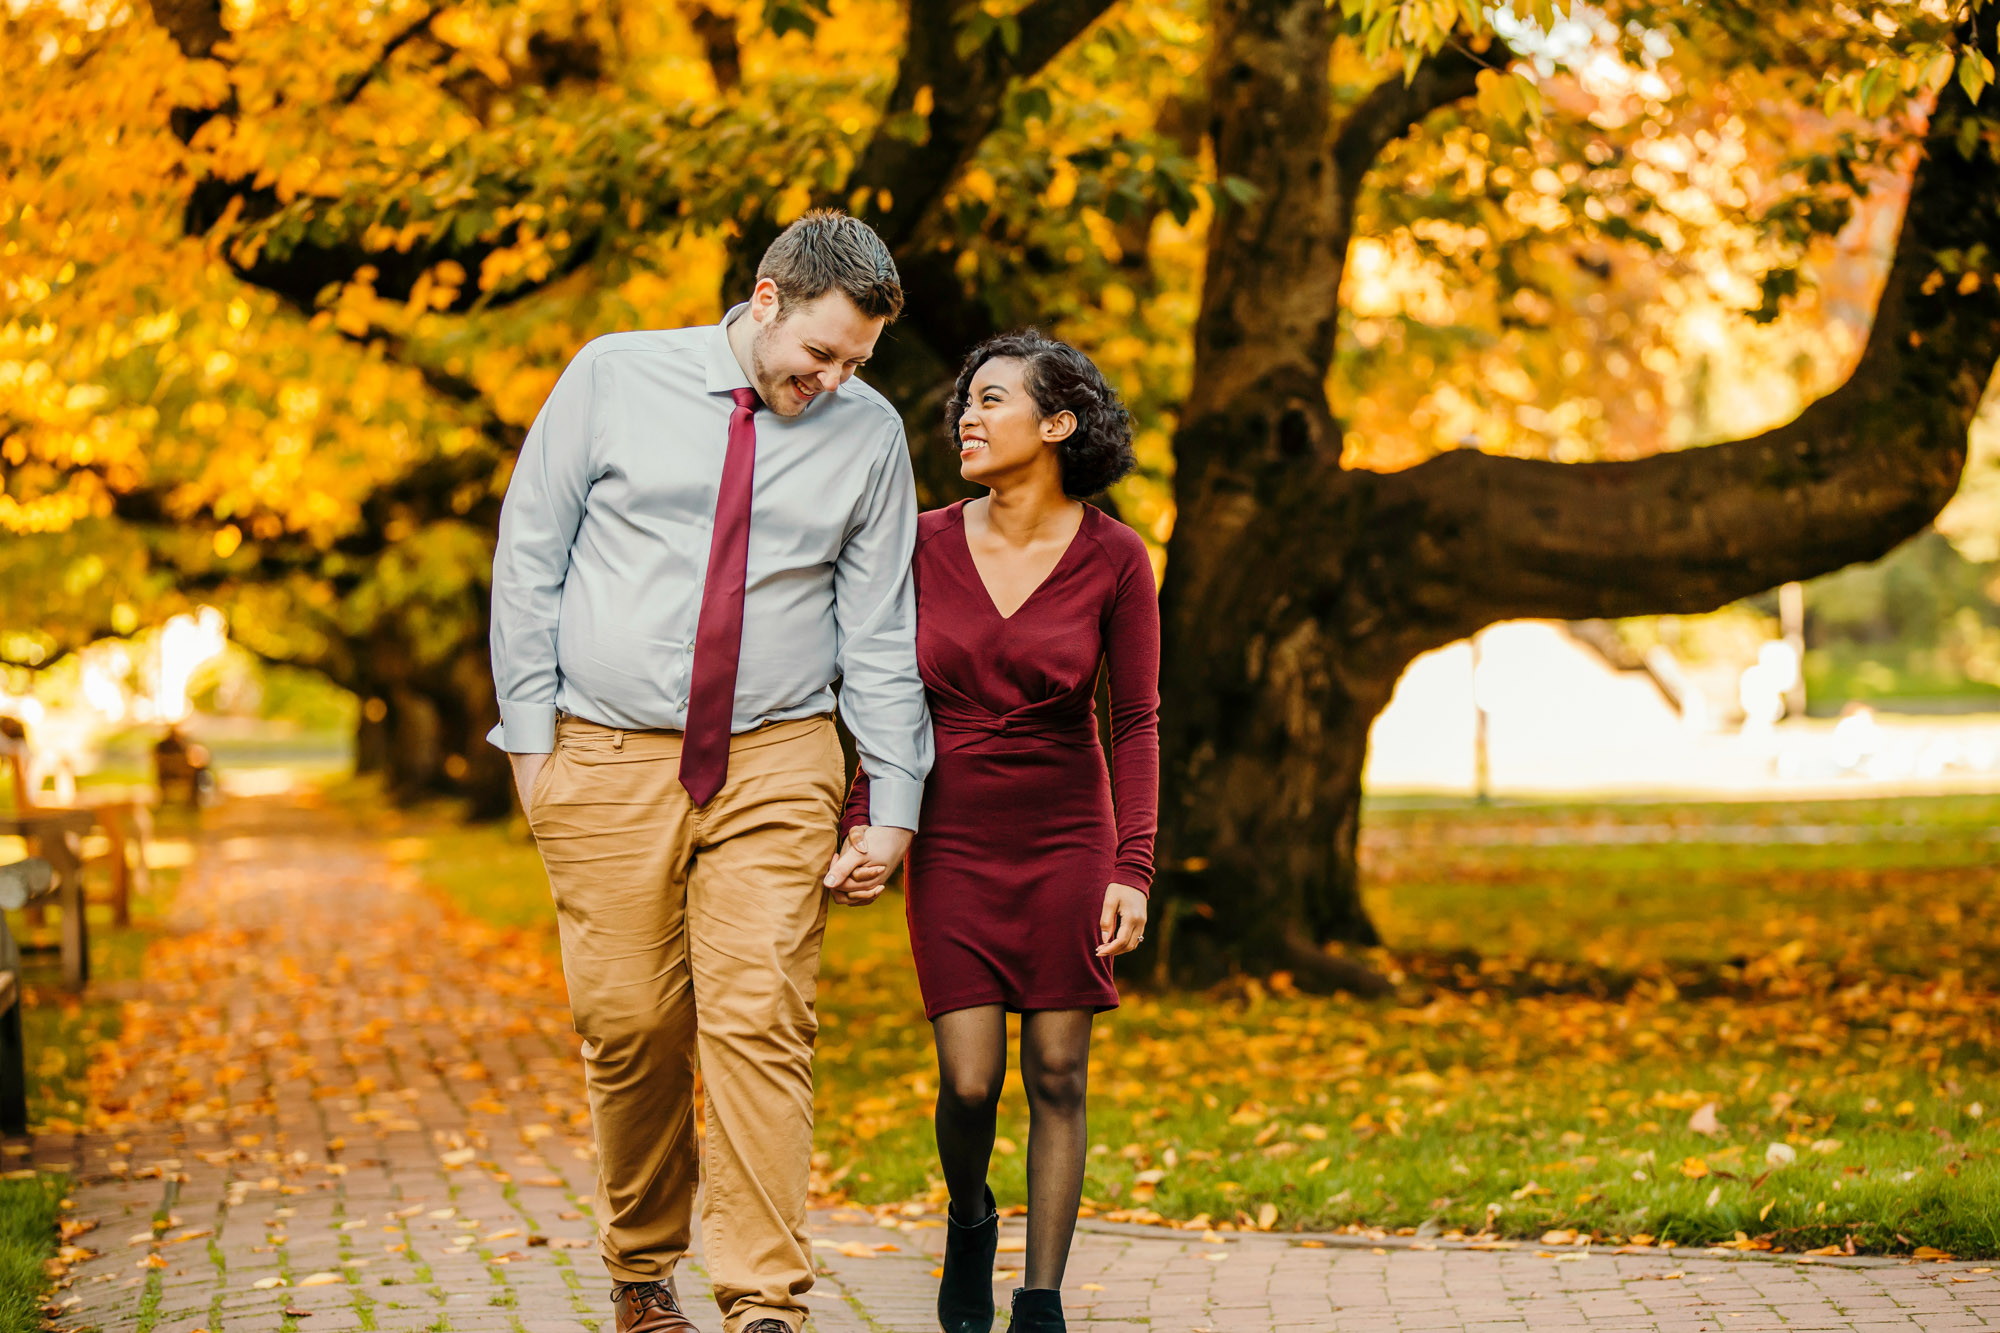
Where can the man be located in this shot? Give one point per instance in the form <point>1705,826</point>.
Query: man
<point>706,528</point>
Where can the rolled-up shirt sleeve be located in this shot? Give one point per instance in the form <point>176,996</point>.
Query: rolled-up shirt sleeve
<point>875,614</point>
<point>538,524</point>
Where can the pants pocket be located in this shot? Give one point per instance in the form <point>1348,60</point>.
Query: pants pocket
<point>538,791</point>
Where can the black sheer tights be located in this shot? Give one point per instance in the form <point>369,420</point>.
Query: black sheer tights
<point>1055,1062</point>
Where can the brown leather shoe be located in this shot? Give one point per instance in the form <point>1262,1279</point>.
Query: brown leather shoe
<point>649,1307</point>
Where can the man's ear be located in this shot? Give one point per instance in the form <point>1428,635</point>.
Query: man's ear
<point>1059,427</point>
<point>764,301</point>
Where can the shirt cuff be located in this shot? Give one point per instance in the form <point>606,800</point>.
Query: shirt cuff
<point>1134,876</point>
<point>895,802</point>
<point>525,728</point>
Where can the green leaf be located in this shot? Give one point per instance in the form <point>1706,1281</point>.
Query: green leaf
<point>1032,104</point>
<point>800,16</point>
<point>1531,97</point>
<point>1240,190</point>
<point>1975,72</point>
<point>1879,89</point>
<point>1178,198</point>
<point>1968,137</point>
<point>908,126</point>
<point>1379,33</point>
<point>1938,73</point>
<point>976,32</point>
<point>1510,97</point>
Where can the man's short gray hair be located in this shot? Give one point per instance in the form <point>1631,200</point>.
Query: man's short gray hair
<point>827,249</point>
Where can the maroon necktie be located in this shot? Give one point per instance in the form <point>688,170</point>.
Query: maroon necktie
<point>718,635</point>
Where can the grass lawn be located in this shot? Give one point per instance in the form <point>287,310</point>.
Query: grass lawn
<point>1768,1025</point>
<point>27,1238</point>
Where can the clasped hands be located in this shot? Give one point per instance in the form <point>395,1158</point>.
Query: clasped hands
<point>861,869</point>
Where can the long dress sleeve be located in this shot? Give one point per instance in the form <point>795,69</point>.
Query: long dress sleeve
<point>855,814</point>
<point>1132,657</point>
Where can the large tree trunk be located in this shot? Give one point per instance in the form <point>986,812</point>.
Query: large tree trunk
<point>1264,719</point>
<point>1296,593</point>
<point>429,735</point>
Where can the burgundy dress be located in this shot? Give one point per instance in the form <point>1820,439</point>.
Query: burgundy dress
<point>1019,837</point>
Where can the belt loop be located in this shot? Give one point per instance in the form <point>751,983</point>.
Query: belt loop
<point>618,738</point>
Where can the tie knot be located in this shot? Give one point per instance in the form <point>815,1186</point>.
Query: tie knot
<point>747,399</point>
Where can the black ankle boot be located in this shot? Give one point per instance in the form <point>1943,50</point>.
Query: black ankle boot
<point>965,1296</point>
<point>1037,1310</point>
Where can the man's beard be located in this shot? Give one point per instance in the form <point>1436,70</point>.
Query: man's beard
<point>767,384</point>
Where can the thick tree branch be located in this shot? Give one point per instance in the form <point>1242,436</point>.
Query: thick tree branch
<point>352,86</point>
<point>1856,473</point>
<point>1395,108</point>
<point>914,170</point>
<point>938,308</point>
<point>1047,27</point>
<point>1270,321</point>
<point>717,35</point>
<point>195,25</point>
<point>913,157</point>
<point>306,270</point>
<point>1271,292</point>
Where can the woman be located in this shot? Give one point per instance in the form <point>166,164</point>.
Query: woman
<point>1026,877</point>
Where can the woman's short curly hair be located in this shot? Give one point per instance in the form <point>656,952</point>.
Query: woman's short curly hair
<point>1060,378</point>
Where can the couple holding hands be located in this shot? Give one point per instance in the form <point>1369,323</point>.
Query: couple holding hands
<point>707,529</point>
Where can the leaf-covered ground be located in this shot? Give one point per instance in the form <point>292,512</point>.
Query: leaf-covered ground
<point>1767,1025</point>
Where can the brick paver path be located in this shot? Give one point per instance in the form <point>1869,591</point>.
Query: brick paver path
<point>341,1109</point>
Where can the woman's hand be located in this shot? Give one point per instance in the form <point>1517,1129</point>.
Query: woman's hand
<point>861,870</point>
<point>1123,922</point>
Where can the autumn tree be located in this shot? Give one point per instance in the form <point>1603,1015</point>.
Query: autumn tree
<point>299,278</point>
<point>1297,589</point>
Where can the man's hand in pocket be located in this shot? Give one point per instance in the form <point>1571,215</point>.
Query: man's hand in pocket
<point>527,767</point>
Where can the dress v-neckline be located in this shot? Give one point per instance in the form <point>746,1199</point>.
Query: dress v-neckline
<point>965,544</point>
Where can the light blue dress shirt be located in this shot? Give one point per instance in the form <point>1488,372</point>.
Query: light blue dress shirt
<point>603,549</point>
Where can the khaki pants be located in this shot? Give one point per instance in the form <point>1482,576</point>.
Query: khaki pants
<point>690,929</point>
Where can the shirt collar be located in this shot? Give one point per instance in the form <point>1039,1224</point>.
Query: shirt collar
<point>724,371</point>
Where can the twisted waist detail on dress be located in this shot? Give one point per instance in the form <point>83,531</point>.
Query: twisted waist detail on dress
<point>958,728</point>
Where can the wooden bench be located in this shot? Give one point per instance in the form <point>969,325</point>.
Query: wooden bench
<point>57,839</point>
<point>125,820</point>
<point>20,884</point>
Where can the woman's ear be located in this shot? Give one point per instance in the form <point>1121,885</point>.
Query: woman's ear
<point>1059,427</point>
